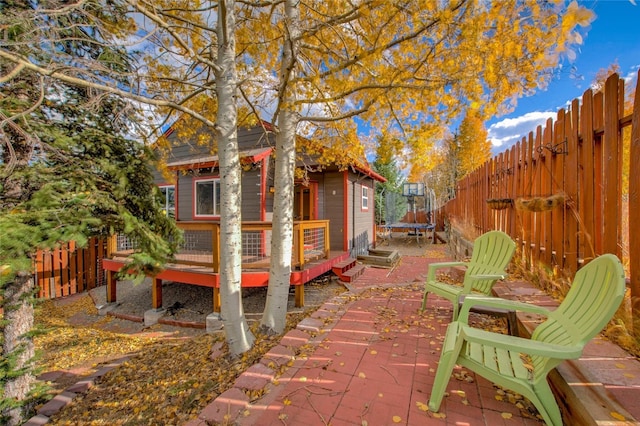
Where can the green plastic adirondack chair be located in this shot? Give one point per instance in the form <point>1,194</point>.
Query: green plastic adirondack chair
<point>492,252</point>
<point>520,364</point>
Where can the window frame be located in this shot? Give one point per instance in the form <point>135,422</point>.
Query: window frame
<point>163,190</point>
<point>364,200</point>
<point>215,197</point>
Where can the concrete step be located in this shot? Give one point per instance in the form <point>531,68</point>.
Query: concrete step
<point>343,266</point>
<point>352,274</point>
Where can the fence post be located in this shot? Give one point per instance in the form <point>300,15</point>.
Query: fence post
<point>634,225</point>
<point>611,178</point>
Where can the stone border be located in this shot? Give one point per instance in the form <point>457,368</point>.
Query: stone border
<point>265,375</point>
<point>65,397</point>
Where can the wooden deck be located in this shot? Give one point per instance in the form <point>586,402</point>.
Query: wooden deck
<point>204,276</point>
<point>197,261</point>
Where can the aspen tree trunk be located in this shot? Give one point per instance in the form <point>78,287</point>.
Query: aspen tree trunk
<point>274,317</point>
<point>17,345</point>
<point>238,335</point>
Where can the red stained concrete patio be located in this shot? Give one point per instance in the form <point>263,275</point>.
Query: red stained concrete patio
<point>369,357</point>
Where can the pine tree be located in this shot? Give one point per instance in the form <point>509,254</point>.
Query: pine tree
<point>69,170</point>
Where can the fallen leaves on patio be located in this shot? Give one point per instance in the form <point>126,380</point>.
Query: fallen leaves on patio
<point>165,381</point>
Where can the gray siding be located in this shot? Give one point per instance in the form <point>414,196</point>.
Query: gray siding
<point>184,150</point>
<point>183,199</point>
<point>333,209</point>
<point>189,149</point>
<point>251,195</point>
<point>361,222</point>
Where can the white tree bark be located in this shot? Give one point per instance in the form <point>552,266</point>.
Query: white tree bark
<point>239,337</point>
<point>274,316</point>
<point>17,344</point>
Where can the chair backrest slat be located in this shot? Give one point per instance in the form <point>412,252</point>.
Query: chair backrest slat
<point>491,254</point>
<point>595,294</point>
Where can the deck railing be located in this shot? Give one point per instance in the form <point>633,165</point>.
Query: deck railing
<point>201,244</point>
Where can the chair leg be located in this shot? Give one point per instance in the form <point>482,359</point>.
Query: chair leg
<point>450,350</point>
<point>546,404</point>
<point>424,300</point>
<point>456,309</point>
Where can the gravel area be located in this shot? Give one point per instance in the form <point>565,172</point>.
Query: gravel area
<point>192,303</point>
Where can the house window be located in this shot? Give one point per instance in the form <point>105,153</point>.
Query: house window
<point>365,198</point>
<point>207,197</point>
<point>169,200</point>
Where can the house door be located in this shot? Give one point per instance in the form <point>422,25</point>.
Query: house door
<point>305,201</point>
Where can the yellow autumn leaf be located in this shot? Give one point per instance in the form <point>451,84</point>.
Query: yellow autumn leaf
<point>617,416</point>
<point>397,419</point>
<point>286,401</point>
<point>422,406</point>
<point>506,415</point>
<point>303,379</point>
<point>439,415</point>
<point>362,375</point>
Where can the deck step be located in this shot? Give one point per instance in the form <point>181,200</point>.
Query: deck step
<point>352,274</point>
<point>343,266</point>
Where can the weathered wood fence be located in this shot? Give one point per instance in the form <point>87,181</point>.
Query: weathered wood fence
<point>68,270</point>
<point>571,170</point>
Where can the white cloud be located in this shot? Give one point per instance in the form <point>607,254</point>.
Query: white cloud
<point>507,132</point>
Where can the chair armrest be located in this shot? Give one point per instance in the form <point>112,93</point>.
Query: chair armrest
<point>520,344</point>
<point>433,267</point>
<point>496,302</point>
<point>489,276</point>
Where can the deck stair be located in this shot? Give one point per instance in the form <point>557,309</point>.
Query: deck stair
<point>348,270</point>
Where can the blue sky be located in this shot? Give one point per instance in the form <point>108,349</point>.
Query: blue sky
<point>614,36</point>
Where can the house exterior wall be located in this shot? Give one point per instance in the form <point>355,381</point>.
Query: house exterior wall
<point>339,193</point>
<point>331,208</point>
<point>252,198</point>
<point>360,220</point>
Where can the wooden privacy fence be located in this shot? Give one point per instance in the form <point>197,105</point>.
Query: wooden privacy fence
<point>559,192</point>
<point>68,270</point>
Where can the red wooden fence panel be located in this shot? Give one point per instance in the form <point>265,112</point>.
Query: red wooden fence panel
<point>578,154</point>
<point>69,270</point>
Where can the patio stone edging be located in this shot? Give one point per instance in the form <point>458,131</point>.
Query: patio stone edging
<point>231,406</point>
<point>61,400</point>
<point>581,393</point>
